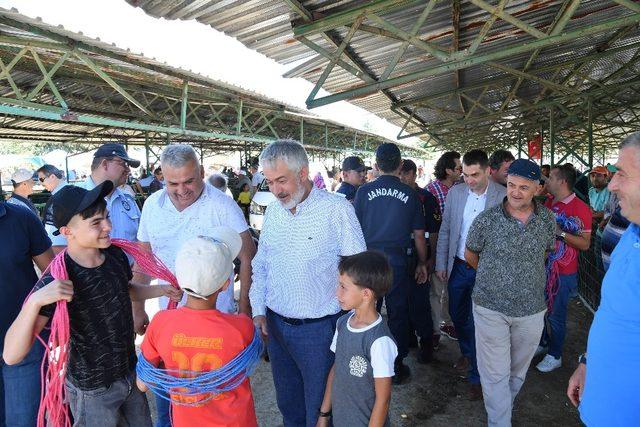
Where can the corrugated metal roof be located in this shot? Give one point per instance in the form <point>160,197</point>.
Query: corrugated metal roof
<point>213,105</point>
<point>267,26</point>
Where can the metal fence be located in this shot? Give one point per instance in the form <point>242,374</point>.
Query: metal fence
<point>590,274</point>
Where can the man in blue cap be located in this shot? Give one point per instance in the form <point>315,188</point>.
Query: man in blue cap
<point>111,162</point>
<point>389,212</point>
<point>354,174</point>
<point>507,245</point>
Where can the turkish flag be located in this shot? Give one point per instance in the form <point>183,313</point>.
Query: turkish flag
<point>535,147</point>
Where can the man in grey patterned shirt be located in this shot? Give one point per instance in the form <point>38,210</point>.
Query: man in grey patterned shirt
<point>508,244</point>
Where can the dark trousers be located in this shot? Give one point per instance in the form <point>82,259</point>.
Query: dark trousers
<point>301,359</point>
<point>420,309</point>
<point>556,325</point>
<point>397,303</point>
<point>460,288</point>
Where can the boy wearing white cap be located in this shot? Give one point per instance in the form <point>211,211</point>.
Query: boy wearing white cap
<point>197,337</point>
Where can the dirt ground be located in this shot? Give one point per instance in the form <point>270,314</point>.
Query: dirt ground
<point>436,396</point>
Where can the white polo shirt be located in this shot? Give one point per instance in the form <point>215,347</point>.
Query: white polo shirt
<point>475,204</point>
<point>166,228</point>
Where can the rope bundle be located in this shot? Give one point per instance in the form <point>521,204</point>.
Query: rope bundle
<point>562,256</point>
<point>193,388</point>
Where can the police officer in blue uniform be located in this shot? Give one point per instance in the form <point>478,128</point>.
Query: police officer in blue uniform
<point>111,162</point>
<point>419,303</point>
<point>354,174</point>
<point>389,212</point>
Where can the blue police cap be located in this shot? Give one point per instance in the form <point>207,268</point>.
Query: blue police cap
<point>525,169</point>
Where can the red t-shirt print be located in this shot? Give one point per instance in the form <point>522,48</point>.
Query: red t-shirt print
<point>572,206</point>
<point>203,340</point>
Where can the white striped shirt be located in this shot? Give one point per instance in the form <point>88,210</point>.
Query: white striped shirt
<point>295,272</point>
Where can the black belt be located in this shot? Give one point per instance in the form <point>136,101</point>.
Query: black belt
<point>297,322</point>
<point>457,260</point>
<point>394,250</point>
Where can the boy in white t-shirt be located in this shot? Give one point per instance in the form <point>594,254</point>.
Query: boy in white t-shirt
<point>359,384</point>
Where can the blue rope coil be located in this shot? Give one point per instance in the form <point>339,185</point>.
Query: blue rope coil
<point>193,388</point>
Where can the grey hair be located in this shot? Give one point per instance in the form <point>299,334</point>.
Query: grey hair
<point>633,139</point>
<point>177,155</point>
<point>219,181</point>
<point>291,152</point>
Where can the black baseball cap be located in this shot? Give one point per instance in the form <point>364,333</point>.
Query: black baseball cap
<point>353,163</point>
<point>117,150</point>
<point>388,152</point>
<point>525,169</point>
<point>72,200</point>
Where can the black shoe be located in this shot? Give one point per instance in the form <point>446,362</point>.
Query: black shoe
<point>425,352</point>
<point>402,373</point>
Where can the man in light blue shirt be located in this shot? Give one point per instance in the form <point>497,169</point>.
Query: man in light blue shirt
<point>598,193</point>
<point>295,277</point>
<point>111,162</point>
<point>606,388</point>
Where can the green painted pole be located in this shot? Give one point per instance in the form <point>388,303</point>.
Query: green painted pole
<point>552,136</point>
<point>590,131</point>
<point>183,107</point>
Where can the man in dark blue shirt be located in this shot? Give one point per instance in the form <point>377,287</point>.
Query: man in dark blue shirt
<point>24,241</point>
<point>354,173</point>
<point>389,212</point>
<point>419,304</point>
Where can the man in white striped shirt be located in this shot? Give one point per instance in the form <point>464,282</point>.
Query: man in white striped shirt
<point>295,276</point>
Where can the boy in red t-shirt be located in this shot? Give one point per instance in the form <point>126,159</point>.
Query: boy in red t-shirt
<point>197,337</point>
<point>563,200</point>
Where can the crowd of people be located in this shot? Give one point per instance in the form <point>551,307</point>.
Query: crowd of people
<point>485,254</point>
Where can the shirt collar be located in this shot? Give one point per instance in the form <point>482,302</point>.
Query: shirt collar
<point>313,194</point>
<point>61,184</point>
<point>568,199</point>
<point>22,199</point>
<point>507,215</point>
<point>469,192</point>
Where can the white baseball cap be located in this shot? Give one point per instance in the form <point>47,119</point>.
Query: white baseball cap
<point>21,175</point>
<point>204,263</point>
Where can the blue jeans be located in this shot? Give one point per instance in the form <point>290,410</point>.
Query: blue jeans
<point>556,325</point>
<point>301,359</point>
<point>163,411</point>
<point>460,287</point>
<point>397,303</point>
<point>20,387</point>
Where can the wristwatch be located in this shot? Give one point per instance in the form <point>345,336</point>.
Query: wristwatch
<point>563,235</point>
<point>324,414</point>
<point>582,358</point>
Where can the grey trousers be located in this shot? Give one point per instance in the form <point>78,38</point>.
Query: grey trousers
<point>504,349</point>
<point>121,404</point>
<point>439,299</point>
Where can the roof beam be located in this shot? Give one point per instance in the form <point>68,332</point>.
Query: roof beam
<point>510,19</point>
<point>346,17</point>
<point>369,89</point>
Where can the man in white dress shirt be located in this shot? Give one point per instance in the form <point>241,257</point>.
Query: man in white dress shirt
<point>295,276</point>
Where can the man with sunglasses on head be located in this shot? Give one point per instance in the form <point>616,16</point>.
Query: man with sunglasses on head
<point>52,179</point>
